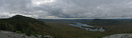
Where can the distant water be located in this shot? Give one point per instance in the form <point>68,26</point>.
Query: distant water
<point>78,24</point>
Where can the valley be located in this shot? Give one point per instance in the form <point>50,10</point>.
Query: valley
<point>111,26</point>
<point>96,28</point>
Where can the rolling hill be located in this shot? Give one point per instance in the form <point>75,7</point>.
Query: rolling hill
<point>61,29</point>
<point>31,26</point>
<point>22,24</point>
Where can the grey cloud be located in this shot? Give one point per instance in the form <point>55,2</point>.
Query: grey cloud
<point>68,8</point>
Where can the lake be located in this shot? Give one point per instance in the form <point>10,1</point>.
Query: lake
<point>87,27</point>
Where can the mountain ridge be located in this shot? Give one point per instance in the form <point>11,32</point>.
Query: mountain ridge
<point>23,24</point>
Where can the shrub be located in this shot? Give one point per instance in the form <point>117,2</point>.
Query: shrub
<point>18,32</point>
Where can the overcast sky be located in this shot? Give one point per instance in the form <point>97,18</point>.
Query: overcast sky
<point>52,9</point>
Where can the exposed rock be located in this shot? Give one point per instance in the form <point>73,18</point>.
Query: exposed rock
<point>47,36</point>
<point>119,36</point>
<point>7,34</point>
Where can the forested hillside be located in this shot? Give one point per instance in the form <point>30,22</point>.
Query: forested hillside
<point>22,24</point>
<point>61,29</point>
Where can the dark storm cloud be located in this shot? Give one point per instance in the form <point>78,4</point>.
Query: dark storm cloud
<point>67,8</point>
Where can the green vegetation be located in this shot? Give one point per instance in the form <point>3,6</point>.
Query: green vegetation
<point>60,29</point>
<point>104,22</point>
<point>63,30</point>
<point>18,32</point>
<point>22,24</point>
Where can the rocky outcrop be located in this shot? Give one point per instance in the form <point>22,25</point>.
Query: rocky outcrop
<point>7,34</point>
<point>119,36</point>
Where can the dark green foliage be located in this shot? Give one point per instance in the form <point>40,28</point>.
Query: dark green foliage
<point>28,31</point>
<point>42,35</point>
<point>18,32</point>
<point>20,24</point>
<point>104,22</point>
<point>2,26</point>
<point>30,26</point>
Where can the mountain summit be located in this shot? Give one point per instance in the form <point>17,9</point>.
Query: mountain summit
<point>23,24</point>
<point>20,17</point>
